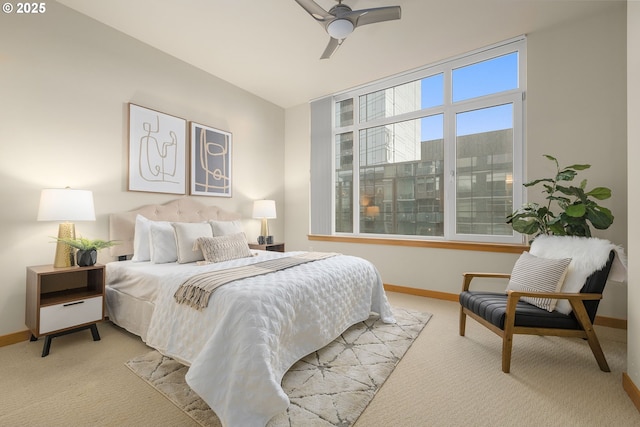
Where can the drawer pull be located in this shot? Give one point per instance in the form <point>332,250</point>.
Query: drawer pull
<point>73,303</point>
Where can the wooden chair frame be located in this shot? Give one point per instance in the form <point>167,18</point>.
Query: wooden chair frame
<point>575,299</point>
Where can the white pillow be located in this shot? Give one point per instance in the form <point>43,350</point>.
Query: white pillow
<point>225,228</point>
<point>186,235</point>
<point>224,248</point>
<point>533,274</point>
<point>162,243</point>
<point>141,240</point>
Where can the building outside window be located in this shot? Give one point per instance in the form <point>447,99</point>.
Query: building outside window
<point>435,153</point>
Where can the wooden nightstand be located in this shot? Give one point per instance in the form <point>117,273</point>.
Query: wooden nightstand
<point>276,247</point>
<point>64,300</point>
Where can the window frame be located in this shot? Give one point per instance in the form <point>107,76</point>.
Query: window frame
<point>449,109</point>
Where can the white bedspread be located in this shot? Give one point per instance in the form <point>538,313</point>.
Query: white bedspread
<point>255,329</point>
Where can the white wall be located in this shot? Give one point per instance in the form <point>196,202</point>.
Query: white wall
<point>576,111</point>
<point>633,154</point>
<point>65,81</point>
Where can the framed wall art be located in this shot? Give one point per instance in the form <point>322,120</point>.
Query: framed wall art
<point>157,151</point>
<point>210,161</point>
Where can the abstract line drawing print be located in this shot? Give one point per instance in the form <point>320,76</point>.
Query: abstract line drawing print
<point>157,150</point>
<point>210,161</point>
<point>158,160</point>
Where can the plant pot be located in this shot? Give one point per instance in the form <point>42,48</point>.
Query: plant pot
<point>86,258</point>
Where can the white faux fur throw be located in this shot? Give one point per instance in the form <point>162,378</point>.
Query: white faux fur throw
<point>588,254</point>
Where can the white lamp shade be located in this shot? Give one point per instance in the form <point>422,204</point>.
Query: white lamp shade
<point>264,209</point>
<point>65,204</point>
<point>340,28</point>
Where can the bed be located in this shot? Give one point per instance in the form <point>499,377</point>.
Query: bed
<point>252,330</point>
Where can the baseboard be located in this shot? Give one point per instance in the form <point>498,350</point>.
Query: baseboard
<point>631,389</point>
<point>14,338</point>
<point>611,322</point>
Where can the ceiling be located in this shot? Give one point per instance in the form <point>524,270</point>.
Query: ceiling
<point>271,48</point>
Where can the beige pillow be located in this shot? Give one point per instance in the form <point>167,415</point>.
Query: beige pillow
<point>224,228</point>
<point>533,274</point>
<point>224,248</point>
<point>186,235</point>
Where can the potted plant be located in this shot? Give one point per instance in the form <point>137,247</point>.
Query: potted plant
<point>87,253</point>
<point>569,209</point>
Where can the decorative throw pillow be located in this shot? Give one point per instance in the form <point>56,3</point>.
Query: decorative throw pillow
<point>224,248</point>
<point>186,235</point>
<point>141,251</point>
<point>162,243</point>
<point>224,228</point>
<point>533,274</point>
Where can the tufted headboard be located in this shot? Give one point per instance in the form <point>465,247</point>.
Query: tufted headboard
<point>122,225</point>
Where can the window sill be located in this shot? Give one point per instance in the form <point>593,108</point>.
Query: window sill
<point>460,246</point>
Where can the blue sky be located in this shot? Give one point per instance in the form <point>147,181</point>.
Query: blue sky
<point>495,75</point>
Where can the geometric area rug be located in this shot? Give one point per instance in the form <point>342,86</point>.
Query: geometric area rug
<point>329,387</point>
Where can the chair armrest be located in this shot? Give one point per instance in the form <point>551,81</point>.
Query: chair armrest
<point>467,277</point>
<point>575,299</point>
<point>554,295</point>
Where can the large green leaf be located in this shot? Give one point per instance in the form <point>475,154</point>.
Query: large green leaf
<point>600,193</point>
<point>576,210</point>
<point>575,226</point>
<point>577,192</point>
<point>600,217</point>
<point>525,226</point>
<point>566,175</point>
<point>557,229</point>
<point>537,181</point>
<point>578,167</point>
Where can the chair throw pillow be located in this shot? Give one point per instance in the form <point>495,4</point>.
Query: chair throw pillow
<point>223,248</point>
<point>533,274</point>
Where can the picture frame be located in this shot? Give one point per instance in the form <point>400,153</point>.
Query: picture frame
<point>210,161</point>
<point>157,151</point>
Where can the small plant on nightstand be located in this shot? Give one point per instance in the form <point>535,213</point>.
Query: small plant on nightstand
<point>87,248</point>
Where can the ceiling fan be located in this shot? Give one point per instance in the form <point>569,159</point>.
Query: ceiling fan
<point>340,20</point>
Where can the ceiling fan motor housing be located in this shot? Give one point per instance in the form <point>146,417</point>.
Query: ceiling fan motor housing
<point>341,20</point>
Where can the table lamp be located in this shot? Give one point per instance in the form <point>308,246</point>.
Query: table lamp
<point>264,209</point>
<point>65,204</point>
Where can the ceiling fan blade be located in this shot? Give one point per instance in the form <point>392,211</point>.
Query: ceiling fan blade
<point>331,47</point>
<point>314,9</point>
<point>378,14</point>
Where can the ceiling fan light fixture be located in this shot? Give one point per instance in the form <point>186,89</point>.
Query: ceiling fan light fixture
<point>340,28</point>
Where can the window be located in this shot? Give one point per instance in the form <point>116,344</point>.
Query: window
<point>434,153</point>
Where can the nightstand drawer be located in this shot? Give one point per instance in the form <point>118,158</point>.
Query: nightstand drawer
<point>69,314</point>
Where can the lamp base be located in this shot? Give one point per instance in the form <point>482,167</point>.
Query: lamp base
<point>264,229</point>
<point>64,253</point>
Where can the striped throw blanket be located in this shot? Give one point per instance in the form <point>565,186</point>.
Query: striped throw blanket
<point>197,290</point>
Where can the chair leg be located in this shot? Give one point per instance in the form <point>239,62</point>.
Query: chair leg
<point>597,351</point>
<point>592,338</point>
<point>507,333</point>
<point>507,344</point>
<point>463,321</point>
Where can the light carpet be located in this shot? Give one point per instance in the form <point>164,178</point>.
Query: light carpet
<point>330,387</point>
